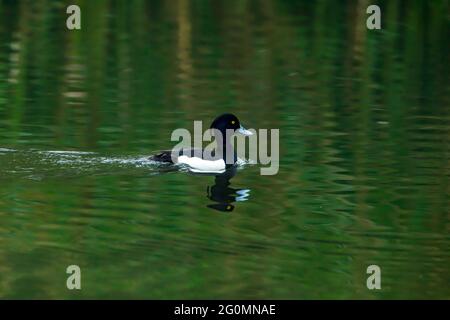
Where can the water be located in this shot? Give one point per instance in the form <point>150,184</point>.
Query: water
<point>364,142</point>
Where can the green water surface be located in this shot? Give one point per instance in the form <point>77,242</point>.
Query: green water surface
<point>364,120</point>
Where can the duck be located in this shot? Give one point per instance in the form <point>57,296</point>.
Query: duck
<point>196,160</point>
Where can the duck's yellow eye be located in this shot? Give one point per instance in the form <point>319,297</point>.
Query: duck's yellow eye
<point>228,207</point>
<point>233,122</point>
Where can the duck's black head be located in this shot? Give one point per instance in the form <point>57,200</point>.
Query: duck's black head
<point>229,121</point>
<point>223,123</point>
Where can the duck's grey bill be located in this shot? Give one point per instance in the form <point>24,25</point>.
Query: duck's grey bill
<point>244,131</point>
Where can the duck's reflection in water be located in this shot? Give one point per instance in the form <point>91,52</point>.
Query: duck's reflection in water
<point>223,195</point>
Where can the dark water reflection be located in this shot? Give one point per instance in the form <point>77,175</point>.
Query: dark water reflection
<point>364,142</point>
<point>223,194</point>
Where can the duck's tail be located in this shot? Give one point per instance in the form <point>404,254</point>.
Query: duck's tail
<point>162,156</point>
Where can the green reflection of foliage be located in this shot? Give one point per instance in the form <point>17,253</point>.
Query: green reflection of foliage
<point>364,128</point>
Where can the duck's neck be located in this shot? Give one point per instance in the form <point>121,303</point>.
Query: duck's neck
<point>228,153</point>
